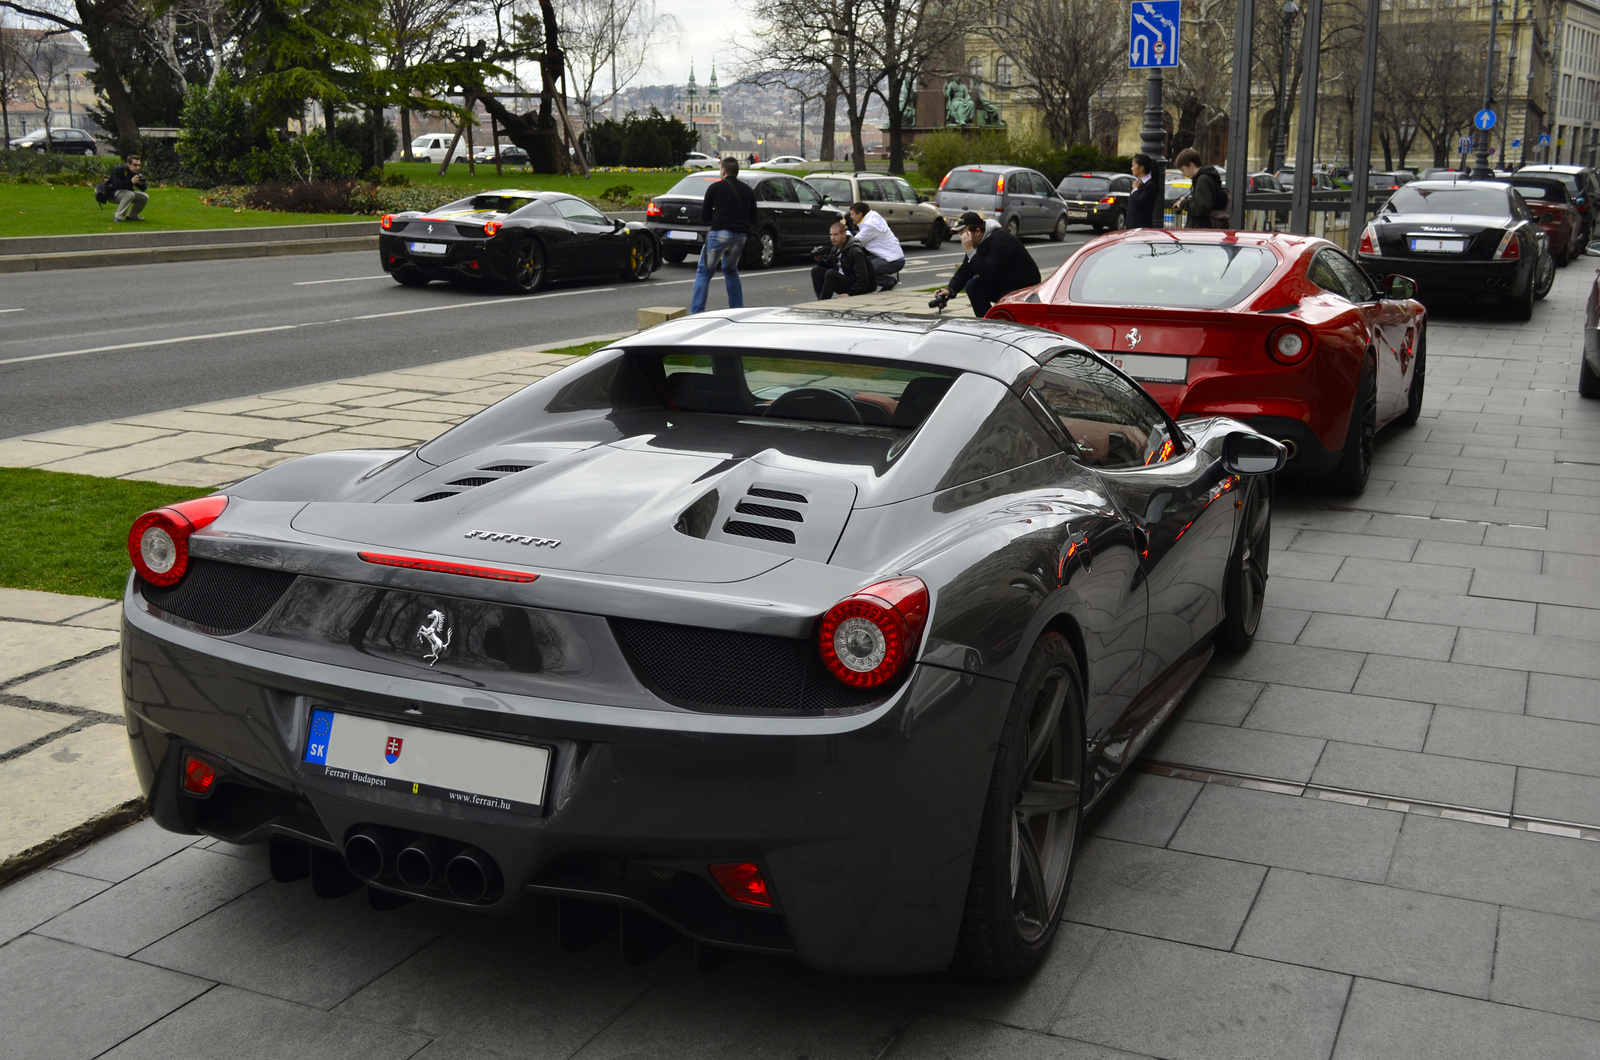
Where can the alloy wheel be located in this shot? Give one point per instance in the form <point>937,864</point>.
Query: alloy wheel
<point>528,274</point>
<point>1255,540</point>
<point>1045,819</point>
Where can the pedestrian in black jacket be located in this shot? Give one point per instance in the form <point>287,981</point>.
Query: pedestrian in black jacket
<point>996,264</point>
<point>1204,201</point>
<point>126,184</point>
<point>729,210</point>
<point>1146,195</point>
<point>844,270</point>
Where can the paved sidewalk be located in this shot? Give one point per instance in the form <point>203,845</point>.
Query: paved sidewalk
<point>1375,834</point>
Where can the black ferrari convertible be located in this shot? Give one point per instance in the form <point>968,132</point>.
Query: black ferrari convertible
<point>514,240</point>
<point>789,631</point>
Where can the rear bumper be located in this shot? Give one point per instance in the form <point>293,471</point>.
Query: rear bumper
<point>664,234</point>
<point>863,825</point>
<point>461,257</point>
<point>1457,278</point>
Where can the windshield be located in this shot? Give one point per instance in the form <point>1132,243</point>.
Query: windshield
<point>1087,185</point>
<point>975,182</point>
<point>1169,273</point>
<point>1458,198</point>
<point>695,184</point>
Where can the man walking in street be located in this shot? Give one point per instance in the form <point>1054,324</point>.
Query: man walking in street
<point>880,244</point>
<point>996,264</point>
<point>1204,200</point>
<point>730,210</point>
<point>1146,194</point>
<point>845,270</point>
<point>127,187</point>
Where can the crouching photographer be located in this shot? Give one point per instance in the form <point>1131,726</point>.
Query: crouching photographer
<point>996,264</point>
<point>842,269</point>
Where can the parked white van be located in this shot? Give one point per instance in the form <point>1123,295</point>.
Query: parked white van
<point>431,147</point>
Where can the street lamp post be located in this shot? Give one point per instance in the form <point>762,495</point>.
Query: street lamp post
<point>1480,169</point>
<point>1280,147</point>
<point>1153,138</point>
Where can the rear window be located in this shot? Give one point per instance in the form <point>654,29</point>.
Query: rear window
<point>1549,191</point>
<point>834,188</point>
<point>970,181</point>
<point>843,392</point>
<point>1569,179</point>
<point>1169,273</point>
<point>1087,185</point>
<point>695,184</point>
<point>1458,198</point>
<point>485,204</point>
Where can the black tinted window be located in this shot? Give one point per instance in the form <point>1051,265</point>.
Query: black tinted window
<point>1112,423</point>
<point>1458,198</point>
<point>775,191</point>
<point>1084,186</point>
<point>695,184</point>
<point>806,193</point>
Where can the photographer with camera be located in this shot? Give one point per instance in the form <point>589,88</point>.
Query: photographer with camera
<point>842,269</point>
<point>996,264</point>
<point>880,243</point>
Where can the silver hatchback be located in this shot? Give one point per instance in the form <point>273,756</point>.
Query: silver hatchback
<point>1020,199</point>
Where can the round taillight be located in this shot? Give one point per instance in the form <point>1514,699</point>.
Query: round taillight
<point>158,542</point>
<point>387,220</point>
<point>491,227</point>
<point>866,638</point>
<point>652,209</point>
<point>1289,344</point>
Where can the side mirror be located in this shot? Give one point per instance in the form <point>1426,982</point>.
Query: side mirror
<point>922,198</point>
<point>618,224</point>
<point>1399,287</point>
<point>1244,453</point>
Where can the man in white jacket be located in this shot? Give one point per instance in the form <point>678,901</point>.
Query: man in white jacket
<point>880,244</point>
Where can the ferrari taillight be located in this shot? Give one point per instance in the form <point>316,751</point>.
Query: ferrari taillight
<point>491,227</point>
<point>1510,248</point>
<point>743,882</point>
<point>1369,241</point>
<point>867,637</point>
<point>158,543</point>
<point>652,209</point>
<point>386,221</point>
<point>1289,344</point>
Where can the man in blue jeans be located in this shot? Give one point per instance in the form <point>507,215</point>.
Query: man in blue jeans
<point>730,210</point>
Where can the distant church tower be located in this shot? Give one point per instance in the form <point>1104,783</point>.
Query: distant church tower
<point>704,112</point>
<point>692,97</point>
<point>713,98</point>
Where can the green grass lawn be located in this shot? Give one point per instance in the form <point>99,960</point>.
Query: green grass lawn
<point>69,533</point>
<point>60,209</point>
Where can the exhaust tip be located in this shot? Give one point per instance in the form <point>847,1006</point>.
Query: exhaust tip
<point>1293,447</point>
<point>418,864</point>
<point>471,877</point>
<point>363,853</point>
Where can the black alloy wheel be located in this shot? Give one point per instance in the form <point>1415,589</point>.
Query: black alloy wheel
<point>1350,477</point>
<point>1120,220</point>
<point>1028,839</point>
<point>1059,232</point>
<point>1014,226</point>
<point>527,273</point>
<point>1246,587</point>
<point>1544,275</point>
<point>937,234</point>
<point>1419,378</point>
<point>641,261</point>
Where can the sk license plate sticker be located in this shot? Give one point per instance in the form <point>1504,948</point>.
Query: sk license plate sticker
<point>678,233</point>
<point>1446,246</point>
<point>491,774</point>
<point>428,248</point>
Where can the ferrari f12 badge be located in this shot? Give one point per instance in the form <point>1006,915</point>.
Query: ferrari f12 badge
<point>391,749</point>
<point>429,634</point>
<point>1133,338</point>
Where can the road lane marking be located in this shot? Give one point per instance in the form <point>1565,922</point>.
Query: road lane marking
<point>306,324</point>
<point>343,279</point>
<point>11,310</point>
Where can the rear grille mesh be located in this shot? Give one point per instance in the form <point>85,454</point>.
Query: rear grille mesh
<point>769,511</point>
<point>776,495</point>
<point>225,598</point>
<point>724,671</point>
<point>739,528</point>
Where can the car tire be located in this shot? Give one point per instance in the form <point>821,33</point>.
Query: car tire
<point>674,256</point>
<point>937,234</point>
<point>1059,232</point>
<point>1588,379</point>
<point>1419,380</point>
<point>411,276</point>
<point>641,261</point>
<point>762,251</point>
<point>1355,465</point>
<point>1120,221</point>
<point>1028,836</point>
<point>527,268</point>
<point>1014,226</point>
<point>1097,229</point>
<point>1246,585</point>
<point>1544,275</point>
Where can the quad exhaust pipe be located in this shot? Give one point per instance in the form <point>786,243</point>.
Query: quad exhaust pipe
<point>390,858</point>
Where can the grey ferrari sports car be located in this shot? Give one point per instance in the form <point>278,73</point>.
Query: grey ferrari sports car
<point>789,631</point>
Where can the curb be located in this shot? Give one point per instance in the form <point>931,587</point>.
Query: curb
<point>94,259</point>
<point>41,854</point>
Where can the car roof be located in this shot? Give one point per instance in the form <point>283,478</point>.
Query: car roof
<point>1426,185</point>
<point>989,167</point>
<point>1551,167</point>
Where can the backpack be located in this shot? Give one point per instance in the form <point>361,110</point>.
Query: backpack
<point>102,192</point>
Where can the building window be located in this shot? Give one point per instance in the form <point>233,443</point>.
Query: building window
<point>975,67</point>
<point>1002,70</point>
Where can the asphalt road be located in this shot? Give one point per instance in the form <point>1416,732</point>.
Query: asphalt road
<point>86,345</point>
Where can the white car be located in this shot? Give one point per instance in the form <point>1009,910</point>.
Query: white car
<point>700,160</point>
<point>432,147</point>
<point>781,162</point>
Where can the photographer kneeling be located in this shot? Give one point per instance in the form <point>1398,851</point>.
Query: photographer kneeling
<point>842,269</point>
<point>996,264</point>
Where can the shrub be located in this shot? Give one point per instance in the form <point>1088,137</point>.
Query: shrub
<point>938,153</point>
<point>312,157</point>
<point>33,167</point>
<point>219,129</point>
<point>652,140</point>
<point>395,180</point>
<point>318,196</point>
<point>355,134</point>
<point>618,193</point>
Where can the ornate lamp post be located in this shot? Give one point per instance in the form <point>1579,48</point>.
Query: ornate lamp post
<point>1280,147</point>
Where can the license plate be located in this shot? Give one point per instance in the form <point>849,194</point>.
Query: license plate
<point>1152,369</point>
<point>1448,246</point>
<point>1078,211</point>
<point>428,248</point>
<point>407,760</point>
<point>678,233</point>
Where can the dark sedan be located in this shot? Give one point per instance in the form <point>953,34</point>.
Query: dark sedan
<point>1476,240</point>
<point>1099,200</point>
<point>1552,206</point>
<point>794,632</point>
<point>59,141</point>
<point>1583,185</point>
<point>792,217</point>
<point>515,240</point>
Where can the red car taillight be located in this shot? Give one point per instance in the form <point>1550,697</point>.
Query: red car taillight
<point>1000,185</point>
<point>1369,242</point>
<point>158,543</point>
<point>652,210</point>
<point>1510,248</point>
<point>386,221</point>
<point>1108,200</point>
<point>1289,344</point>
<point>945,181</point>
<point>867,637</point>
<point>743,882</point>
<point>491,227</point>
<point>198,776</point>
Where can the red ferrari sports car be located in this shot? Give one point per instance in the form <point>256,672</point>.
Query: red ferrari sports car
<point>1283,331</point>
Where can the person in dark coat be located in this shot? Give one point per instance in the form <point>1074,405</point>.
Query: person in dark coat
<point>996,264</point>
<point>729,210</point>
<point>1146,197</point>
<point>1204,200</point>
<point>127,185</point>
<point>844,270</point>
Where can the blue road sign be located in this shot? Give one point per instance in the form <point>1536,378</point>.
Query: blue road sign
<point>1153,34</point>
<point>1466,144</point>
<point>1517,142</point>
<point>1484,119</point>
<point>1544,140</point>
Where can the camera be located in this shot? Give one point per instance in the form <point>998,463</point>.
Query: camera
<point>939,302</point>
<point>820,252</point>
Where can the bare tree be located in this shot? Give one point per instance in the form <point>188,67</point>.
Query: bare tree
<point>98,22</point>
<point>1064,52</point>
<point>908,35</point>
<point>418,33</point>
<point>827,35</point>
<point>46,58</point>
<point>1430,68</point>
<point>1198,88</point>
<point>12,75</point>
<point>608,43</point>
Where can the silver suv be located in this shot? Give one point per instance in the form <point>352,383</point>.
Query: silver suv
<point>1020,199</point>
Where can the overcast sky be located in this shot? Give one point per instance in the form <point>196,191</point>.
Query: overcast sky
<point>704,30</point>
